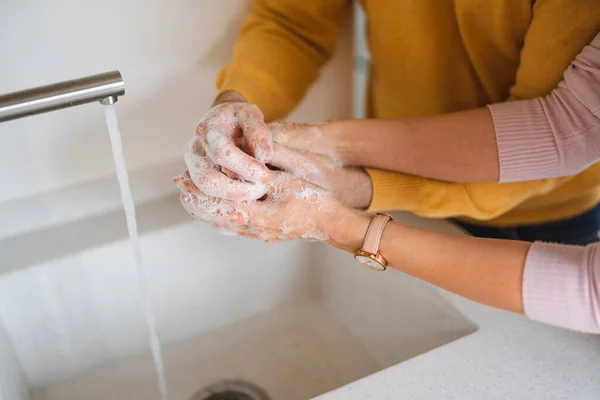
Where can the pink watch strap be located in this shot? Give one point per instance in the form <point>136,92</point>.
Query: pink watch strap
<point>374,232</point>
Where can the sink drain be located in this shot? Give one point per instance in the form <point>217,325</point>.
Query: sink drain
<point>231,390</point>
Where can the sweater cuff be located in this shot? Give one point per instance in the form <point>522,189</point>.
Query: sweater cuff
<point>256,87</point>
<point>526,144</point>
<point>556,286</point>
<point>394,191</point>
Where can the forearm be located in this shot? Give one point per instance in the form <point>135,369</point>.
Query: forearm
<point>447,145</point>
<point>457,147</point>
<point>484,270</point>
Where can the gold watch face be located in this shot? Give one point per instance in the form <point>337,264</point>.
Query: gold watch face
<point>369,262</point>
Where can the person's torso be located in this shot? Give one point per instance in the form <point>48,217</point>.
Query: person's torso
<point>435,56</point>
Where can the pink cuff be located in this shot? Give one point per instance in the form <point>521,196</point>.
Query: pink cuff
<point>526,145</point>
<point>561,286</point>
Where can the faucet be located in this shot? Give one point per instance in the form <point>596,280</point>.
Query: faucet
<point>105,88</point>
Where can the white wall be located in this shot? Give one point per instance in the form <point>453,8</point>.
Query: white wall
<point>67,313</point>
<point>168,52</point>
<point>12,381</point>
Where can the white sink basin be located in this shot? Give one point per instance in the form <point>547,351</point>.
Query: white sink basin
<point>296,319</point>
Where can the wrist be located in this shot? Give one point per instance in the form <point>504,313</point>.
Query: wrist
<point>348,230</point>
<point>229,96</point>
<point>356,188</point>
<point>353,139</point>
<point>339,133</point>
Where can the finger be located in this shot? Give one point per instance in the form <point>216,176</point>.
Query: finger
<point>300,165</point>
<point>210,212</point>
<point>235,228</point>
<point>209,208</point>
<point>229,230</point>
<point>222,120</point>
<point>229,173</point>
<point>223,151</point>
<point>221,117</point>
<point>291,161</point>
<point>255,131</point>
<point>191,211</point>
<point>304,137</point>
<point>285,188</point>
<point>260,233</point>
<point>212,182</point>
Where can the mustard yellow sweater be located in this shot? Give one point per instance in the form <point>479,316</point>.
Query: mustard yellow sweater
<point>429,57</point>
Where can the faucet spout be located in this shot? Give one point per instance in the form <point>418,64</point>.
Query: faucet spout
<point>109,100</point>
<point>105,88</point>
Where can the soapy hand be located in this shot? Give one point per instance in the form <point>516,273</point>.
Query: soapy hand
<point>292,209</point>
<point>309,138</point>
<point>304,151</point>
<point>229,151</point>
<point>350,186</point>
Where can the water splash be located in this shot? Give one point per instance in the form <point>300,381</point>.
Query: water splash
<point>123,178</point>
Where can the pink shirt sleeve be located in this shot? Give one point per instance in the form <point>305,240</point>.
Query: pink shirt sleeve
<point>548,137</point>
<point>556,135</point>
<point>561,285</point>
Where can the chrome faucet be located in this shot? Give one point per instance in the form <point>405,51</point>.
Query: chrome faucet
<point>105,88</point>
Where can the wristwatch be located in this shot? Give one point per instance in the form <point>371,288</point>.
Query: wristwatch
<point>369,255</point>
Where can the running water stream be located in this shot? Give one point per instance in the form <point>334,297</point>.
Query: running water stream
<point>128,205</point>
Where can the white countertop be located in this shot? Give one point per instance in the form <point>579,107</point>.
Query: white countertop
<point>509,357</point>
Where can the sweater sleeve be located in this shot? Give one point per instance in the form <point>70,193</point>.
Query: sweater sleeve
<point>561,286</point>
<point>280,49</point>
<point>439,199</point>
<point>556,135</point>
